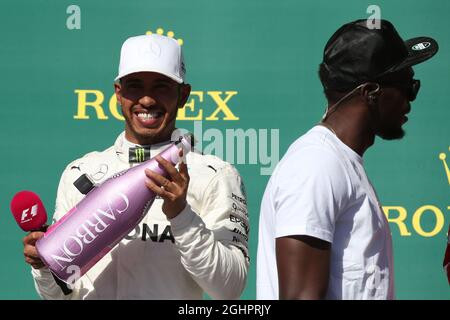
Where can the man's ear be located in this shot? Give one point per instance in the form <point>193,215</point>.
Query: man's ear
<point>117,91</point>
<point>371,92</point>
<point>185,91</point>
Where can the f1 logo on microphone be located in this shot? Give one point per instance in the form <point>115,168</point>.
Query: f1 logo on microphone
<point>25,214</point>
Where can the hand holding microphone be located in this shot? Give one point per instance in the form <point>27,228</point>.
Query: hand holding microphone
<point>30,215</point>
<point>29,249</point>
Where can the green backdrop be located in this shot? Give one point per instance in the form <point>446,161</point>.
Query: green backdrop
<point>265,54</point>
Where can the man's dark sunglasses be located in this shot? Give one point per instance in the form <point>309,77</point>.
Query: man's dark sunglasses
<point>411,88</point>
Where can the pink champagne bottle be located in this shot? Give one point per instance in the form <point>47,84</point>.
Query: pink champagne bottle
<point>103,218</point>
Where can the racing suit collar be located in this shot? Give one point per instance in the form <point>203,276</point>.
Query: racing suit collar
<point>122,146</point>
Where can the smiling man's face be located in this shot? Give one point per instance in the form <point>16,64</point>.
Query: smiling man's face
<point>149,103</point>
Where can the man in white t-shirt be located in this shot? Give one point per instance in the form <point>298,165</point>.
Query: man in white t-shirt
<point>322,232</point>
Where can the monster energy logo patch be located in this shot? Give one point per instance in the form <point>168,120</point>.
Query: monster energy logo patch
<point>138,154</point>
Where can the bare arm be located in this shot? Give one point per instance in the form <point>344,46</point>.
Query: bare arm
<point>303,267</point>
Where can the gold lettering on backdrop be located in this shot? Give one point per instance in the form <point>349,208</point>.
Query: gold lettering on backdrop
<point>193,110</point>
<point>222,105</point>
<point>83,103</point>
<point>191,106</point>
<point>399,220</point>
<point>417,220</point>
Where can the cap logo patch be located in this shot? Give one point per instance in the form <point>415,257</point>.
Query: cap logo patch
<point>151,48</point>
<point>421,46</point>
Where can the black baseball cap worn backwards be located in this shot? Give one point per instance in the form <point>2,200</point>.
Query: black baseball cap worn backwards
<point>356,54</point>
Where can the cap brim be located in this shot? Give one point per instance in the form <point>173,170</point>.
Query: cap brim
<point>420,49</point>
<point>135,70</point>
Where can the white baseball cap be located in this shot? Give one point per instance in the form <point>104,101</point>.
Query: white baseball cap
<point>153,53</point>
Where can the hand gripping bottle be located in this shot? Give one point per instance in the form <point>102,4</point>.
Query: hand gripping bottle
<point>103,218</point>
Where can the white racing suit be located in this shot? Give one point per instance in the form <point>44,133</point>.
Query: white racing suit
<point>202,250</point>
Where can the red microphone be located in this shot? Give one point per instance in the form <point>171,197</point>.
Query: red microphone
<point>28,210</point>
<point>30,215</point>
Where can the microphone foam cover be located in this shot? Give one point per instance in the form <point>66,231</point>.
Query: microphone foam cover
<point>28,210</point>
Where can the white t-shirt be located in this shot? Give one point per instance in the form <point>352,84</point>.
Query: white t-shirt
<point>320,189</point>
